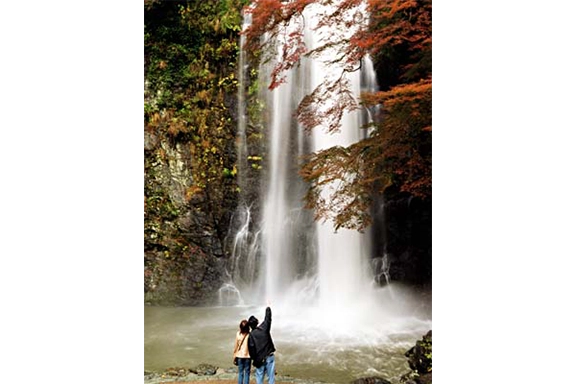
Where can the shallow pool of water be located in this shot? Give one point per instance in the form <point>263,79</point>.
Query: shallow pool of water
<point>312,343</point>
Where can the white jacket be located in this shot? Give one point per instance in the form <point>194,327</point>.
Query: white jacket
<point>241,346</point>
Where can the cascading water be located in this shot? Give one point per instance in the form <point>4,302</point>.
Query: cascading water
<point>280,237</point>
<point>341,255</point>
<point>301,259</point>
<point>245,244</point>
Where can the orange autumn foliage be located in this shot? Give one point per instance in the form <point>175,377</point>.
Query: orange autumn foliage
<point>397,34</point>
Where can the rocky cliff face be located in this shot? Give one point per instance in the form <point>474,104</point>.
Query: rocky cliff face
<point>185,227</point>
<point>190,186</point>
<point>409,239</point>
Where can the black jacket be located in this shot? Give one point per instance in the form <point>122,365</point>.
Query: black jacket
<point>260,344</point>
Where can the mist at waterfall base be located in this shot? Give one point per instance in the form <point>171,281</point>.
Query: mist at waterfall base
<point>312,343</point>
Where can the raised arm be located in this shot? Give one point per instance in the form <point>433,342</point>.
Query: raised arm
<point>267,323</point>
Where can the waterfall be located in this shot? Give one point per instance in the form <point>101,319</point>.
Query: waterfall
<point>340,254</point>
<point>241,147</point>
<point>245,243</point>
<point>302,260</point>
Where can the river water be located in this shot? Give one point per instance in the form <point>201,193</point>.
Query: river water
<point>311,344</point>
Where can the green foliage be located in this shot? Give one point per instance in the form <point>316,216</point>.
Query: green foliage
<point>162,206</point>
<point>190,54</point>
<point>191,49</point>
<point>230,172</point>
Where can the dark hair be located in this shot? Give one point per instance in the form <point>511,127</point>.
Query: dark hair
<point>253,322</point>
<point>244,328</point>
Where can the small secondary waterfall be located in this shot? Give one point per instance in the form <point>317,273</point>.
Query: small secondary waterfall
<point>244,247</point>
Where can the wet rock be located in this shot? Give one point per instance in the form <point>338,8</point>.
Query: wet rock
<point>204,369</point>
<point>148,375</point>
<point>371,380</point>
<point>424,379</point>
<point>420,361</point>
<point>176,371</point>
<point>420,355</point>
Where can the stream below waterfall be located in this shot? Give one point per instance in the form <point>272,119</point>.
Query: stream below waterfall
<point>311,342</point>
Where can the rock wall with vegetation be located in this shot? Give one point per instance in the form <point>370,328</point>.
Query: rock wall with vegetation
<point>420,362</point>
<point>190,190</point>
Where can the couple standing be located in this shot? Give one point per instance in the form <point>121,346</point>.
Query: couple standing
<point>257,346</point>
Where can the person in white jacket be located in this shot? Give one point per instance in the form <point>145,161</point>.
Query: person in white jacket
<point>241,354</point>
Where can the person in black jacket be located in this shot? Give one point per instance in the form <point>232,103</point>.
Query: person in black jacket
<point>261,347</point>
